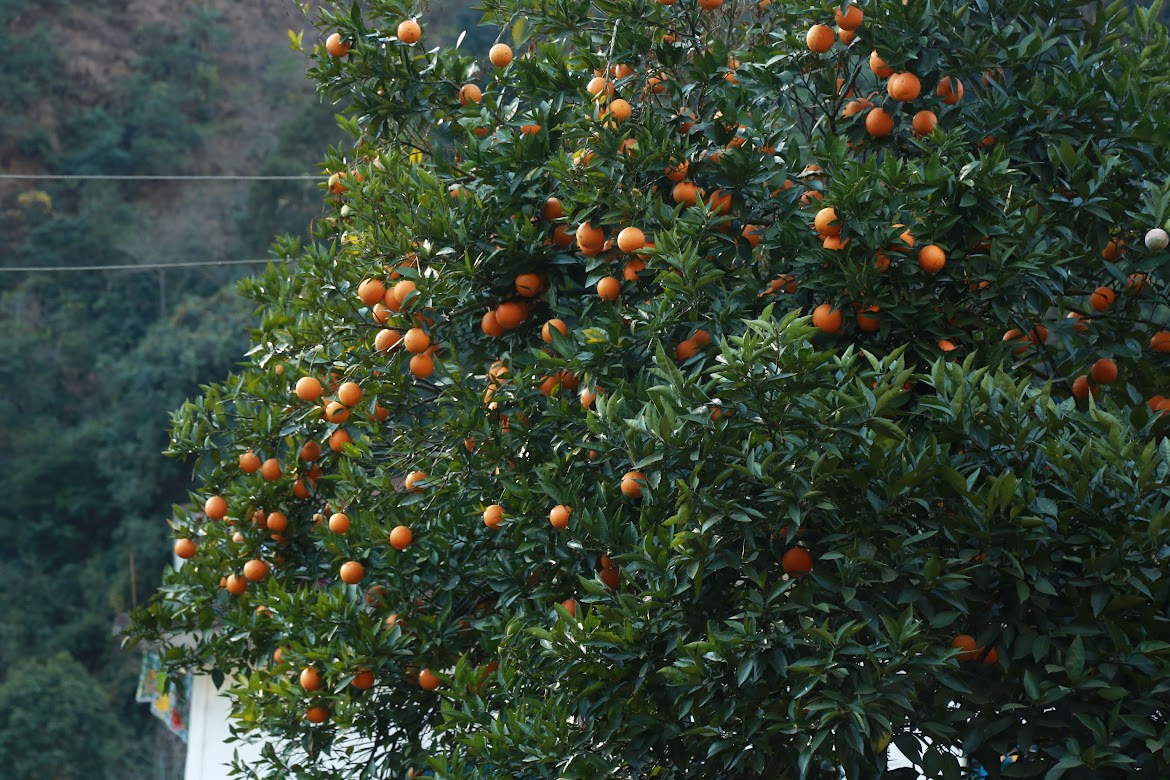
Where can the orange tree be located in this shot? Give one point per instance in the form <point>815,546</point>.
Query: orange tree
<point>540,467</point>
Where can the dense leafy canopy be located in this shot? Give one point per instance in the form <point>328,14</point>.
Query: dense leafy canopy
<point>735,540</point>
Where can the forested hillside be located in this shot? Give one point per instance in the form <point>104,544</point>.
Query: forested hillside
<point>93,360</point>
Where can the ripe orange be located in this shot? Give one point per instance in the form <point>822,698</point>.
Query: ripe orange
<point>931,258</point>
<point>371,291</point>
<point>215,508</point>
<point>966,643</point>
<point>310,679</point>
<point>609,288</point>
<point>946,345</point>
<point>878,66</point>
<point>559,517</point>
<point>352,572</point>
<point>363,680</point>
<point>336,413</point>
<point>318,714</point>
<point>310,451</point>
<point>416,340</point>
<point>827,318</point>
<point>338,439</point>
<point>611,577</point>
<point>409,31</point>
<point>401,537</point>
<point>706,5</point>
<point>553,209</point>
<point>924,122</point>
<point>854,107</point>
<point>553,324</point>
<point>335,46</point>
<point>386,339</point>
<point>235,585</point>
<point>827,223</point>
<point>685,193</point>
<point>686,349</point>
<point>510,314</point>
<point>339,522</point>
<point>846,37</point>
<point>1081,389</point>
<point>470,93</point>
<point>867,322</point>
<point>1160,341</point>
<point>820,38</point>
<point>631,239</point>
<point>719,202</point>
<point>676,172</point>
<point>422,366</point>
<point>620,110</point>
<point>255,570</point>
<point>950,90</point>
<point>879,123</point>
<point>401,290</point>
<point>500,55</point>
<point>570,606</point>
<point>589,236</point>
<point>349,394</point>
<point>493,516</point>
<point>185,548</point>
<point>529,285</point>
<point>277,521</point>
<point>308,388</point>
<point>904,87</point>
<point>851,19</point>
<point>428,681</point>
<point>412,479</point>
<point>1104,372</point>
<point>796,562</point>
<point>632,483</point>
<point>1102,298</point>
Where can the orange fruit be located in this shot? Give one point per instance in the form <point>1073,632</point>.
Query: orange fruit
<point>416,340</point>
<point>310,679</point>
<point>553,209</point>
<point>946,345</point>
<point>609,288</point>
<point>796,562</point>
<point>820,38</point>
<point>904,87</point>
<point>719,202</point>
<point>620,110</point>
<point>991,658</point>
<point>553,324</point>
<point>308,388</point>
<point>854,107</point>
<point>310,451</point>
<point>371,291</point>
<point>589,236</point>
<point>950,90</point>
<point>490,325</point>
<point>349,394</point>
<point>1160,341</point>
<point>868,323</point>
<point>1104,372</point>
<point>336,413</point>
<point>851,19</point>
<point>412,479</point>
<point>255,570</point>
<point>878,66</point>
<point>924,122</point>
<point>510,314</point>
<point>500,55</point>
<point>270,470</point>
<point>686,349</point>
<point>1102,298</point>
<point>215,508</point>
<point>235,585</point>
<point>428,681</point>
<point>401,537</point>
<point>185,548</point>
<point>338,439</point>
<point>470,93</point>
<point>827,318</point>
<point>1113,249</point>
<point>422,366</point>
<point>676,172</point>
<point>386,339</point>
<point>846,36</point>
<point>631,239</point>
<point>409,31</point>
<point>931,259</point>
<point>632,483</point>
<point>493,516</point>
<point>335,46</point>
<point>966,643</point>
<point>363,680</point>
<point>529,285</point>
<point>559,517</point>
<point>339,522</point>
<point>352,572</point>
<point>570,606</point>
<point>611,577</point>
<point>827,223</point>
<point>685,193</point>
<point>249,462</point>
<point>879,123</point>
<point>1081,389</point>
<point>706,5</point>
<point>277,521</point>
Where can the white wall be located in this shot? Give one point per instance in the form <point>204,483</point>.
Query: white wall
<point>208,755</point>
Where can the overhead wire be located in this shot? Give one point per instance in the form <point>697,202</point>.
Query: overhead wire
<point>141,266</point>
<point>144,177</point>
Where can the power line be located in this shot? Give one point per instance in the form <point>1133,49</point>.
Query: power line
<point>139,266</point>
<point>193,177</point>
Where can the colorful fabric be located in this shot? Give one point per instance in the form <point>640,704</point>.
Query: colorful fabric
<point>169,697</point>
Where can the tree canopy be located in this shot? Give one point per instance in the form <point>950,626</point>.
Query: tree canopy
<point>706,388</point>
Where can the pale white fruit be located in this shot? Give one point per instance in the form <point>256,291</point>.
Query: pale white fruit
<point>1157,239</point>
